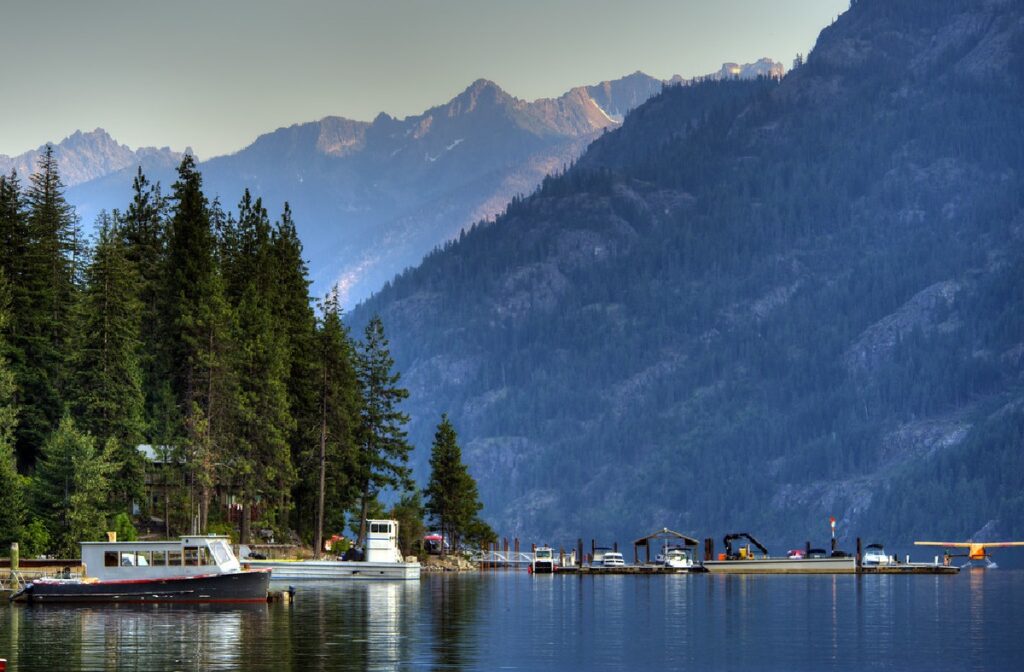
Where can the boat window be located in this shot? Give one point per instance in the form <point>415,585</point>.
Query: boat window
<point>159,558</point>
<point>220,552</point>
<point>174,558</point>
<point>110,559</point>
<point>134,559</point>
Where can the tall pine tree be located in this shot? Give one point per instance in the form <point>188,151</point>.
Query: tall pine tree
<point>197,345</point>
<point>12,503</point>
<point>107,387</point>
<point>43,306</point>
<point>334,479</point>
<point>383,449</point>
<point>452,498</point>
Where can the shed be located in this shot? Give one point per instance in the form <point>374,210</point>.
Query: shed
<point>664,534</point>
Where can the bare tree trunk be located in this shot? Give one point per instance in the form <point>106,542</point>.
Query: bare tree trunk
<point>323,473</point>
<point>362,515</point>
<point>204,508</point>
<point>243,535</point>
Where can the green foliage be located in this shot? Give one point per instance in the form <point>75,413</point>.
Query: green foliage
<point>383,449</point>
<point>452,498</point>
<point>124,528</point>
<point>70,488</point>
<point>408,511</point>
<point>106,387</point>
<point>12,498</point>
<point>35,539</point>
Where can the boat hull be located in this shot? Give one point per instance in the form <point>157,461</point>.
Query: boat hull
<point>783,566</point>
<point>249,586</point>
<point>337,570</point>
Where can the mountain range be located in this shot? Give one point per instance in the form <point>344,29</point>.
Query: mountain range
<point>372,198</point>
<point>754,305</point>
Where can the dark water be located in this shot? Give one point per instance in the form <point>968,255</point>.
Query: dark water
<point>974,621</point>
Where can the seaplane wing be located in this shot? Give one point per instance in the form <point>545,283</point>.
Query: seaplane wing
<point>969,544</point>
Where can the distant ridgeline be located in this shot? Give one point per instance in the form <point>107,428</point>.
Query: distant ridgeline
<point>756,304</point>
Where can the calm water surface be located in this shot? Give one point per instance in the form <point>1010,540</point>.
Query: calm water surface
<point>974,621</point>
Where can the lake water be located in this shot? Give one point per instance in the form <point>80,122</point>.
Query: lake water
<point>974,621</point>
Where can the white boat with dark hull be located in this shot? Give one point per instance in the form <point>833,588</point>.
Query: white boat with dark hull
<point>193,569</point>
<point>543,561</point>
<point>383,561</point>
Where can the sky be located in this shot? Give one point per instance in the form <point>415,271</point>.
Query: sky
<point>215,74</point>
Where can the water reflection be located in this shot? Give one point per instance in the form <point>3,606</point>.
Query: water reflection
<point>498,620</point>
<point>119,636</point>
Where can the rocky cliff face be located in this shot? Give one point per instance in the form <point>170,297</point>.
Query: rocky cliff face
<point>83,157</point>
<point>755,305</point>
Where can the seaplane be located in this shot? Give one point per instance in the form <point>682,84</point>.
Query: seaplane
<point>977,551</point>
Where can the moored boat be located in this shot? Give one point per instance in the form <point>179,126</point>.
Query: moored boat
<point>746,560</point>
<point>382,561</point>
<point>543,561</point>
<point>197,569</point>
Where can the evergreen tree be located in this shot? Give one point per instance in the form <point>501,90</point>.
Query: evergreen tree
<point>452,498</point>
<point>408,511</point>
<point>198,322</point>
<point>107,389</point>
<point>299,326</point>
<point>42,306</point>
<point>143,232</point>
<point>262,457</point>
<point>335,485</point>
<point>12,504</point>
<point>383,449</point>
<point>69,489</point>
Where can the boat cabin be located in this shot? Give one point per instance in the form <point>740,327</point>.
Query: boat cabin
<point>382,541</point>
<point>188,556</point>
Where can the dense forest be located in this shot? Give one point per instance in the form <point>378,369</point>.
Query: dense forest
<point>756,304</point>
<point>188,329</point>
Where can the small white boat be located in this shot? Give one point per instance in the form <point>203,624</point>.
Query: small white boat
<point>612,559</point>
<point>874,555</point>
<point>677,557</point>
<point>383,561</point>
<point>543,561</point>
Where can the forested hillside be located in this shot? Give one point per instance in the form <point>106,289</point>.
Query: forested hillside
<point>756,304</point>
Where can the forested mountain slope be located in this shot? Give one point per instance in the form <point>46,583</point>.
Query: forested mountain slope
<point>755,304</point>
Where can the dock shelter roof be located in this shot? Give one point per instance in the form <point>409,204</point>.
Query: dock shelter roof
<point>665,533</point>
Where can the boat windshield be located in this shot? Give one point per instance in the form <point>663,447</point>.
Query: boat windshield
<point>221,552</point>
<point>544,553</point>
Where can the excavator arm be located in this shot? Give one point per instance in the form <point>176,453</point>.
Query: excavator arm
<point>729,538</point>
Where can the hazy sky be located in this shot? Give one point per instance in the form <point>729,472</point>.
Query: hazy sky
<point>213,74</point>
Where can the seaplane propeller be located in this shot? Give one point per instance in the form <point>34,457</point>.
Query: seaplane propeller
<point>977,551</point>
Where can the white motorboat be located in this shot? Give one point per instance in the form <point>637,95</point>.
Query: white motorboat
<point>677,557</point>
<point>874,555</point>
<point>543,561</point>
<point>612,559</point>
<point>382,561</point>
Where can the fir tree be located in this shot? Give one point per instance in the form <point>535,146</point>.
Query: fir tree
<point>383,449</point>
<point>263,458</point>
<point>43,305</point>
<point>452,498</point>
<point>198,323</point>
<point>143,232</point>
<point>12,504</point>
<point>107,390</point>
<point>335,485</point>
<point>70,487</point>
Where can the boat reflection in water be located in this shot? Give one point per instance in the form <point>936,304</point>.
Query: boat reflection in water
<point>121,636</point>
